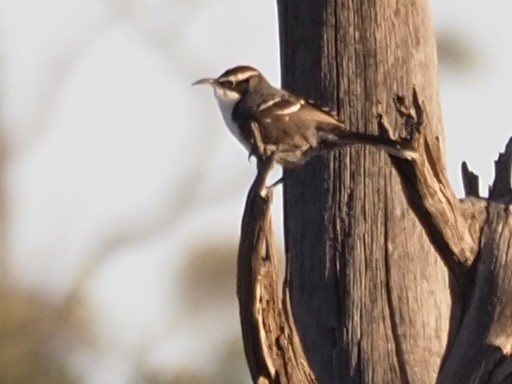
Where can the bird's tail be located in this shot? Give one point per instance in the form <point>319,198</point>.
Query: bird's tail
<point>336,136</point>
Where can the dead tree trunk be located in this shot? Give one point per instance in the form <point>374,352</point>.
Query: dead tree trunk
<point>391,277</point>
<point>369,293</point>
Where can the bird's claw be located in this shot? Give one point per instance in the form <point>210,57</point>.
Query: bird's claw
<point>276,183</point>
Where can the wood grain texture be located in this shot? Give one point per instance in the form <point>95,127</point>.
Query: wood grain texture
<point>473,236</point>
<point>482,348</point>
<point>369,292</point>
<point>454,226</point>
<point>271,343</point>
<point>484,341</point>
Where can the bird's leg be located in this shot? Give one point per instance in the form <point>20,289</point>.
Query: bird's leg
<point>258,148</point>
<point>277,182</point>
<point>265,165</point>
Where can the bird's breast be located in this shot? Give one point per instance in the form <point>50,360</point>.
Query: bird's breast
<point>227,102</point>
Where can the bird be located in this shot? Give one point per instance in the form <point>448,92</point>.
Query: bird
<point>272,122</point>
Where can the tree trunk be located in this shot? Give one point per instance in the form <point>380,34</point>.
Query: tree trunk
<point>369,293</point>
<point>391,277</point>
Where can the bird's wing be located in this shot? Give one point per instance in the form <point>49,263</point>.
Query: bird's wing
<point>285,105</point>
<point>285,123</point>
<point>281,104</point>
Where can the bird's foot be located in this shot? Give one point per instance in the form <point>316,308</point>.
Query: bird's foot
<point>277,183</point>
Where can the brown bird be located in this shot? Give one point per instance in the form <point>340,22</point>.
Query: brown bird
<point>269,121</point>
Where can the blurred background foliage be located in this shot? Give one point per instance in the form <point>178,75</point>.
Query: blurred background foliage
<point>122,192</point>
<point>31,329</point>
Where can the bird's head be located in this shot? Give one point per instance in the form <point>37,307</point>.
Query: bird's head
<point>233,83</point>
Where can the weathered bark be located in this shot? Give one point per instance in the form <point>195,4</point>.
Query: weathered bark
<point>369,293</point>
<point>474,237</point>
<point>392,278</point>
<point>272,347</point>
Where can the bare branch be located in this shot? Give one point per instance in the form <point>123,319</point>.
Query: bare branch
<point>428,190</point>
<point>272,347</point>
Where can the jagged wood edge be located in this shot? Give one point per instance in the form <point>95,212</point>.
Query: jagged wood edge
<point>448,221</point>
<point>475,232</point>
<point>501,188</point>
<point>483,344</point>
<point>470,181</point>
<point>271,343</point>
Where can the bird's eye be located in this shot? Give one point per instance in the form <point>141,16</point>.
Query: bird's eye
<point>227,83</point>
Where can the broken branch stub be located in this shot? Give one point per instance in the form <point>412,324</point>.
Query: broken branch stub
<point>501,190</point>
<point>271,343</point>
<point>483,343</point>
<point>470,180</point>
<point>424,179</point>
<point>467,232</point>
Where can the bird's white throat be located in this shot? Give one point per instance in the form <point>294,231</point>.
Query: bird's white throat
<point>227,100</point>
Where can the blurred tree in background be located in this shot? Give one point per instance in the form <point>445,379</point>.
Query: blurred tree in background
<point>31,329</point>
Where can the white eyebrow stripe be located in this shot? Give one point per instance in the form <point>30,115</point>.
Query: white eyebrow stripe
<point>240,76</point>
<point>269,103</point>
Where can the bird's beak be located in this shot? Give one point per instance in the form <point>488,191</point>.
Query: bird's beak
<point>204,81</point>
